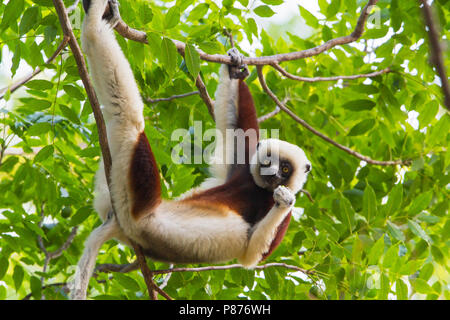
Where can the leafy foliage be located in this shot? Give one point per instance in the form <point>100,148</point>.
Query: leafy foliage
<point>372,232</point>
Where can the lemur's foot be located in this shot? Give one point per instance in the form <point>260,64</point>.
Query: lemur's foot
<point>111,12</point>
<point>283,197</point>
<point>238,69</point>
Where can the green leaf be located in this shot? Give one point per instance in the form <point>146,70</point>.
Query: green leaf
<point>390,257</point>
<point>401,289</point>
<point>418,231</point>
<point>386,134</point>
<point>422,286</point>
<point>272,279</point>
<point>2,293</point>
<point>146,13</point>
<point>369,203</point>
<point>310,19</point>
<point>362,127</point>
<point>376,251</point>
<point>385,288</point>
<point>39,84</point>
<point>11,13</point>
<point>74,92</point>
<point>428,113</point>
<point>29,19</point>
<point>81,215</point>
<point>264,11</point>
<point>376,32</point>
<point>426,271</point>
<point>127,282</point>
<point>395,231</point>
<point>3,266</point>
<point>36,288</point>
<point>347,214</point>
<point>69,114</point>
<point>192,59</point>
<point>333,8</point>
<point>395,200</point>
<point>18,276</point>
<point>198,12</point>
<point>39,129</point>
<point>420,203</point>
<point>253,26</point>
<point>34,104</point>
<point>172,17</point>
<point>169,56</point>
<point>439,130</point>
<point>359,105</point>
<point>154,43</point>
<point>44,153</point>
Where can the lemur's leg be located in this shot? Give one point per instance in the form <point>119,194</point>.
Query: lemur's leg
<point>108,230</point>
<point>226,113</point>
<point>111,73</point>
<point>263,233</point>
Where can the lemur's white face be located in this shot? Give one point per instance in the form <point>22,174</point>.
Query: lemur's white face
<point>278,162</point>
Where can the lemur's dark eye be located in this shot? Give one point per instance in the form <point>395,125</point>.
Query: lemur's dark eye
<point>286,168</point>
<point>307,168</point>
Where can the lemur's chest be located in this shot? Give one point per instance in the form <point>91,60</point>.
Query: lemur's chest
<point>241,195</point>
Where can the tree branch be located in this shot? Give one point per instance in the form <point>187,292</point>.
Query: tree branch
<point>140,36</point>
<point>335,78</point>
<point>436,50</point>
<point>317,133</point>
<point>129,267</point>
<point>38,70</point>
<point>269,115</point>
<point>205,95</point>
<point>149,100</point>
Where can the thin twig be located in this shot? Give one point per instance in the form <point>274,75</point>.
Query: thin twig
<point>317,133</point>
<point>335,78</point>
<point>38,70</point>
<point>57,284</point>
<point>307,194</point>
<point>436,50</point>
<point>119,268</point>
<point>111,267</point>
<point>149,100</point>
<point>73,6</point>
<point>269,115</point>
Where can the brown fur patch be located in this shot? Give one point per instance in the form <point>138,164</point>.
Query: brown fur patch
<point>247,116</point>
<point>239,194</point>
<point>144,178</point>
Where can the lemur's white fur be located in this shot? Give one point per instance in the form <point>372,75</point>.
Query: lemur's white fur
<point>174,230</point>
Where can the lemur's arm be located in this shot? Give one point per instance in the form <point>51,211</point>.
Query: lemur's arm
<point>265,233</point>
<point>233,110</point>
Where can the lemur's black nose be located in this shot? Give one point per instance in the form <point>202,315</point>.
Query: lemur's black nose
<point>308,168</point>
